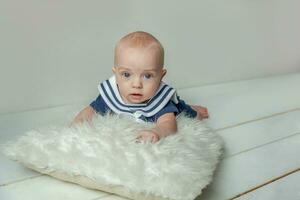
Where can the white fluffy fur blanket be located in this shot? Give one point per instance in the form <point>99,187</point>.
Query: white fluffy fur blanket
<point>104,155</point>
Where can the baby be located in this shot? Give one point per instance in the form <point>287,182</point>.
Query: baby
<point>137,90</point>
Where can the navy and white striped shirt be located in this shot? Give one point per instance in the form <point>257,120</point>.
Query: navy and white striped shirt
<point>164,101</point>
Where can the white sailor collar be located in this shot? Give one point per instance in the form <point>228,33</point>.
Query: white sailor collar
<point>109,92</point>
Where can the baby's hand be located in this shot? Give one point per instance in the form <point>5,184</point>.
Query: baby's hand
<point>147,135</point>
<point>202,112</point>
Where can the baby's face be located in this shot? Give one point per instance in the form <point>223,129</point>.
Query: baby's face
<point>138,74</point>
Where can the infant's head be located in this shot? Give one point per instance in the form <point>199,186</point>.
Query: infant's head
<point>138,66</point>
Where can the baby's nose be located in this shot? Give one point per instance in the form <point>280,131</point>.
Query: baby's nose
<point>137,83</point>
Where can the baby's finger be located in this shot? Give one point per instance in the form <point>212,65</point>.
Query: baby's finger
<point>140,135</point>
<point>206,116</point>
<point>140,139</point>
<point>204,112</point>
<point>154,140</point>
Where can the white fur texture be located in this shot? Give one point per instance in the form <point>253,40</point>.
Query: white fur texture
<point>177,167</point>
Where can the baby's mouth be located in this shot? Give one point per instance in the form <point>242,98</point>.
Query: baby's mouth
<point>136,95</point>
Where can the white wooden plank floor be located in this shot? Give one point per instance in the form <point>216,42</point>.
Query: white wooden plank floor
<point>259,121</point>
<point>284,188</point>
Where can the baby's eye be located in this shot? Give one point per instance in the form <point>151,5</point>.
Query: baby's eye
<point>148,76</point>
<point>125,74</point>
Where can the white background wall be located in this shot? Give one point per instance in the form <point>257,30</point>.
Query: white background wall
<point>56,52</point>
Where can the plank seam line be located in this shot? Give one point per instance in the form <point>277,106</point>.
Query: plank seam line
<point>266,183</point>
<point>41,108</point>
<point>259,146</point>
<point>258,119</point>
<point>21,180</point>
<point>101,197</point>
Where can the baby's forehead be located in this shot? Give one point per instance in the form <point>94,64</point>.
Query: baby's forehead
<point>145,53</point>
<point>129,51</point>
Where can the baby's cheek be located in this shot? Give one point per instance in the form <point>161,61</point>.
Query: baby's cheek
<point>152,89</point>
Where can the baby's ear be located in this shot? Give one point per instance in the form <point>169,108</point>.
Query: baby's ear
<point>164,71</point>
<point>114,69</point>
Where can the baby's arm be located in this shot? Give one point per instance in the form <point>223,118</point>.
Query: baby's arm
<point>86,114</point>
<point>165,125</point>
